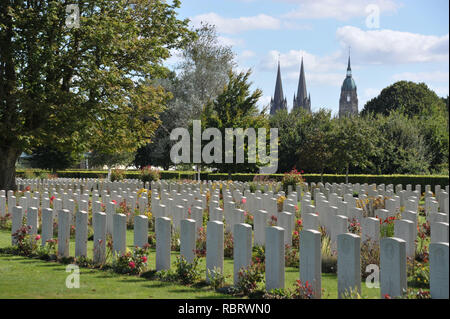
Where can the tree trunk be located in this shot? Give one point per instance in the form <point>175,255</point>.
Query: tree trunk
<point>8,158</point>
<point>346,174</point>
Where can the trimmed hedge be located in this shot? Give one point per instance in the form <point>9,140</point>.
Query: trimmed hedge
<point>370,179</point>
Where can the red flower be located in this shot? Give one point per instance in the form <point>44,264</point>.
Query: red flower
<point>244,200</point>
<point>132,264</point>
<point>28,188</point>
<point>38,237</point>
<point>295,233</point>
<point>114,201</point>
<point>386,296</point>
<point>52,199</point>
<point>144,259</point>
<point>299,222</point>
<point>296,207</point>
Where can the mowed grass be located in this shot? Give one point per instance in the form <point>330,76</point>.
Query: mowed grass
<point>22,277</point>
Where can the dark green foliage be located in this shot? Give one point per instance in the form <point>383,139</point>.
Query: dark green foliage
<point>407,97</point>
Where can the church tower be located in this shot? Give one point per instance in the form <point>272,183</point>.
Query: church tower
<point>278,102</point>
<point>302,100</point>
<point>348,103</point>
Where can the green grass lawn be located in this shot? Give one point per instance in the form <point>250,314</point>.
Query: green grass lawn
<point>22,277</point>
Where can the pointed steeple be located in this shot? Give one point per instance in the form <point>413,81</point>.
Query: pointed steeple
<point>278,101</point>
<point>278,87</point>
<point>349,68</point>
<point>301,91</point>
<point>302,100</point>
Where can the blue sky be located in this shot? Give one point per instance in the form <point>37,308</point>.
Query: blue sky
<point>409,42</point>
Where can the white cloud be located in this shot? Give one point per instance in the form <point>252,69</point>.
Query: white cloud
<point>440,90</point>
<point>246,54</point>
<point>370,93</point>
<point>337,9</point>
<point>238,25</point>
<point>393,47</point>
<point>434,76</point>
<point>320,70</point>
<point>230,41</point>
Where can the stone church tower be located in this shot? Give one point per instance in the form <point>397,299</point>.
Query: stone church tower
<point>278,102</point>
<point>348,103</point>
<point>302,100</point>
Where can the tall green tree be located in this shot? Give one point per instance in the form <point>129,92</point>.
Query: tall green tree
<point>353,142</point>
<point>199,77</point>
<point>402,147</point>
<point>235,107</point>
<point>407,97</point>
<point>87,87</point>
<point>48,157</point>
<point>314,151</point>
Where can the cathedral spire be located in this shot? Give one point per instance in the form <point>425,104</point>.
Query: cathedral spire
<point>278,86</point>
<point>279,101</point>
<point>349,68</point>
<point>301,91</point>
<point>302,100</point>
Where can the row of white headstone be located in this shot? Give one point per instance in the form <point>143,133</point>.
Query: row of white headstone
<point>393,271</point>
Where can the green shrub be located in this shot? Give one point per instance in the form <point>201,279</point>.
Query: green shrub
<point>187,273</point>
<point>147,174</point>
<point>117,175</point>
<point>249,278</point>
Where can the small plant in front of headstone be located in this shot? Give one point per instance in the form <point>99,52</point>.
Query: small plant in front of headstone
<point>302,290</point>
<point>272,221</point>
<point>200,245</point>
<point>27,243</point>
<point>152,240</point>
<point>259,254</point>
<point>418,273</point>
<point>228,245</point>
<point>387,227</point>
<point>249,278</point>
<point>354,227</point>
<point>352,293</point>
<point>291,257</point>
<point>329,257</point>
<point>175,241</point>
<point>280,202</point>
<point>216,278</point>
<point>277,294</point>
<point>370,255</point>
<point>6,222</point>
<point>84,261</point>
<point>48,251</point>
<point>419,294</point>
<point>132,262</point>
<point>186,272</point>
<point>248,218</point>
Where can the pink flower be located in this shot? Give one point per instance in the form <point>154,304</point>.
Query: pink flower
<point>296,207</point>
<point>38,237</point>
<point>244,200</point>
<point>144,259</point>
<point>114,201</point>
<point>132,264</point>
